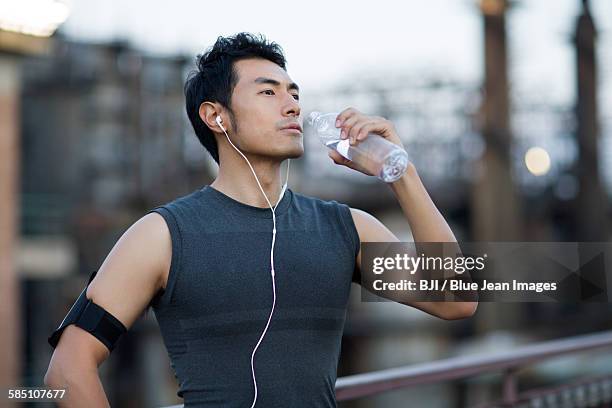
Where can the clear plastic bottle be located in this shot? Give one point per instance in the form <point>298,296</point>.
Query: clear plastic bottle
<point>385,160</point>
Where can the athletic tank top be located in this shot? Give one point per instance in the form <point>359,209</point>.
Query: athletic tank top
<point>219,295</point>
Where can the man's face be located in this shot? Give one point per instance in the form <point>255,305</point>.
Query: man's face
<point>266,108</point>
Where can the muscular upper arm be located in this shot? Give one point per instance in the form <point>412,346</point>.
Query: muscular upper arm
<point>370,229</point>
<point>132,273</point>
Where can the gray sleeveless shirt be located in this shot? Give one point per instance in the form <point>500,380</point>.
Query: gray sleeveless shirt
<point>219,296</point>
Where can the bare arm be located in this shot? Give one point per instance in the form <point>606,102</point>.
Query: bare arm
<point>426,222</point>
<point>371,229</point>
<point>133,272</point>
<point>74,367</point>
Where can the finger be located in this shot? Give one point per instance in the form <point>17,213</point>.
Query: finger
<point>381,127</point>
<point>369,127</point>
<point>360,131</point>
<point>348,124</point>
<point>344,115</point>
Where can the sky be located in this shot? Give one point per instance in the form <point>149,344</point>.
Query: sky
<point>327,42</point>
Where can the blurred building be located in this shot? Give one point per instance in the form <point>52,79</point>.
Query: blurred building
<point>104,139</point>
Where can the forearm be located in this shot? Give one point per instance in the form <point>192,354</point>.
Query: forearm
<point>426,222</point>
<point>428,225</point>
<point>83,387</point>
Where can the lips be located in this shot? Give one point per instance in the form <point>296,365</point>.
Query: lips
<point>295,127</point>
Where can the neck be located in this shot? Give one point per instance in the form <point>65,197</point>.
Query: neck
<point>235,179</point>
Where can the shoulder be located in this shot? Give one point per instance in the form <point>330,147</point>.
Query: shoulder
<point>185,202</point>
<point>362,217</point>
<point>150,231</point>
<point>134,270</point>
<point>144,250</point>
<point>180,212</point>
<point>370,228</point>
<point>304,201</point>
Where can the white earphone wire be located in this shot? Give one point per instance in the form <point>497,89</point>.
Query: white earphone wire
<point>271,250</point>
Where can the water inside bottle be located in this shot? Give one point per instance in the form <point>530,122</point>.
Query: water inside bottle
<point>390,170</point>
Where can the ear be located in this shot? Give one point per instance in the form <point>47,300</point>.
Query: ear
<point>208,113</point>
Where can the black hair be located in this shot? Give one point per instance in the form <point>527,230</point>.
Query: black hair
<point>215,78</point>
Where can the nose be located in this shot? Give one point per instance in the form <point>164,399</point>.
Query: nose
<point>292,107</point>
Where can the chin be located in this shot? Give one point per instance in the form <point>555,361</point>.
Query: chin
<point>294,153</point>
<point>294,150</point>
<point>286,150</point>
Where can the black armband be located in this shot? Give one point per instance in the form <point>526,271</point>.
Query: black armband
<point>91,318</point>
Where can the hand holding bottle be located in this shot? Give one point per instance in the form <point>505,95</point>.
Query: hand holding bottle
<point>368,144</point>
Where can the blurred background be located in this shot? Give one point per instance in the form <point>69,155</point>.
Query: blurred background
<point>505,107</point>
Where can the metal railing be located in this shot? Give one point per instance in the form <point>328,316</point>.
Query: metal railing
<point>362,385</point>
<point>508,363</point>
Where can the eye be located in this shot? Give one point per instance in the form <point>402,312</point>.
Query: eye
<point>267,92</point>
<point>296,97</point>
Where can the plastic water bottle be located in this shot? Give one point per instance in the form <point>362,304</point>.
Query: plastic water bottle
<point>385,160</point>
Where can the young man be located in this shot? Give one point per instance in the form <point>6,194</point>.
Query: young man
<point>251,301</point>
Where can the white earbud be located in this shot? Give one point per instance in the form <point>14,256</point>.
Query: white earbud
<point>219,122</point>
